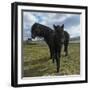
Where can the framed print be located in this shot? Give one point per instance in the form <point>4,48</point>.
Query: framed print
<point>49,44</point>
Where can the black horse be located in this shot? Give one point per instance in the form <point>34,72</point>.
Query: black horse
<point>53,38</point>
<point>66,40</point>
<point>46,32</point>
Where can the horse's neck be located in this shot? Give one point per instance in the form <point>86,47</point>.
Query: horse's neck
<point>47,37</point>
<point>46,33</point>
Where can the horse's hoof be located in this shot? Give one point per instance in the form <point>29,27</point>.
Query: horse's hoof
<point>66,55</point>
<point>57,71</point>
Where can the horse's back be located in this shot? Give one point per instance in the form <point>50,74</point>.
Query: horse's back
<point>66,34</point>
<point>41,26</point>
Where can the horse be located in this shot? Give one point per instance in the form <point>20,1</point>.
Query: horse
<point>53,38</point>
<point>45,32</point>
<point>66,40</point>
<point>58,43</point>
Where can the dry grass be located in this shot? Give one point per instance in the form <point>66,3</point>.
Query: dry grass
<point>37,62</point>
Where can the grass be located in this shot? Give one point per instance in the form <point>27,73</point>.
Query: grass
<point>37,61</point>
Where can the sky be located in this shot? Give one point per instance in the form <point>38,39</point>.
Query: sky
<point>71,22</point>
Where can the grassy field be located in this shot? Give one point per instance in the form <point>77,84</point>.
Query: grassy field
<point>36,61</point>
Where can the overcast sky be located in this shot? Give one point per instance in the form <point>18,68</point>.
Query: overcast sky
<point>70,21</point>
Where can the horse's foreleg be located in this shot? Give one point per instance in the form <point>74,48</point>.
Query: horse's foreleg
<point>66,48</point>
<point>53,59</point>
<point>58,63</point>
<point>53,56</point>
<point>57,57</point>
<point>50,52</point>
<point>58,54</point>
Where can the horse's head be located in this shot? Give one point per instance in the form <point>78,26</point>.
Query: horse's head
<point>59,30</point>
<point>35,30</point>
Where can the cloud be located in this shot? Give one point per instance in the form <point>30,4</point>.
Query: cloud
<point>29,19</point>
<point>70,21</point>
<point>74,31</point>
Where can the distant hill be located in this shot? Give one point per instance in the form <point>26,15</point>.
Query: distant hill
<point>40,40</point>
<point>75,39</point>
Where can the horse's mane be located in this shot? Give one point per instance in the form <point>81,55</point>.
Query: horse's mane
<point>42,26</point>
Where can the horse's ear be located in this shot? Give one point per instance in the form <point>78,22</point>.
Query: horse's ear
<point>62,26</point>
<point>54,26</point>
